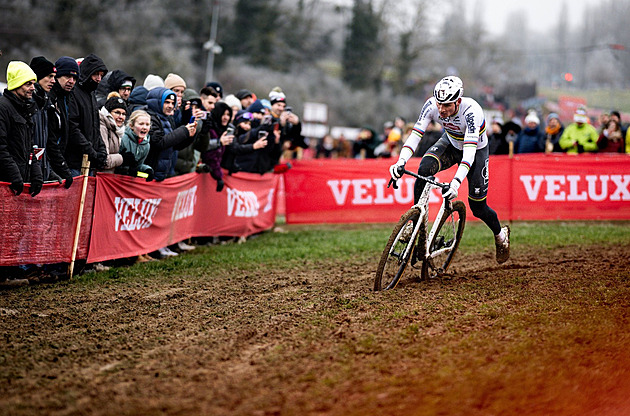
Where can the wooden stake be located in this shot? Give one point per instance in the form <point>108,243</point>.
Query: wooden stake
<point>85,170</point>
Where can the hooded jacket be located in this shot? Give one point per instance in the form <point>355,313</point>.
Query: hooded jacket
<point>16,140</point>
<point>213,157</point>
<point>112,82</point>
<point>40,121</point>
<point>165,139</point>
<point>85,135</point>
<point>58,130</point>
<point>137,99</point>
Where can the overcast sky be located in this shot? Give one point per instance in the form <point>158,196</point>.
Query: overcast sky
<point>540,13</point>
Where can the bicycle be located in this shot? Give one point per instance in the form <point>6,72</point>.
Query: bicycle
<point>412,239</point>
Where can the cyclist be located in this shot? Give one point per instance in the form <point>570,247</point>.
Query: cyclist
<point>465,142</point>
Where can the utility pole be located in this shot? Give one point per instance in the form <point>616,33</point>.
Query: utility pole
<point>211,45</point>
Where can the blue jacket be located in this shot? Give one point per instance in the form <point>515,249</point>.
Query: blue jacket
<point>530,141</point>
<point>165,140</point>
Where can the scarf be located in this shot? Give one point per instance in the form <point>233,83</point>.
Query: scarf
<point>552,131</point>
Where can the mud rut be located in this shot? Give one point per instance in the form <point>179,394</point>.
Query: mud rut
<point>313,340</point>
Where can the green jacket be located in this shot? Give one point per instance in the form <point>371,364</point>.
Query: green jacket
<point>129,143</point>
<point>585,135</point>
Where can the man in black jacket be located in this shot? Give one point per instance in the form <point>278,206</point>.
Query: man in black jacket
<point>58,117</point>
<point>18,159</point>
<point>85,134</point>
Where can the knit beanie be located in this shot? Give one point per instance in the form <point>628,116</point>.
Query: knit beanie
<point>18,74</point>
<point>115,102</point>
<point>232,101</point>
<point>532,118</point>
<point>67,66</point>
<point>256,107</point>
<point>42,67</point>
<point>551,116</point>
<point>153,81</point>
<point>173,80</point>
<point>276,97</point>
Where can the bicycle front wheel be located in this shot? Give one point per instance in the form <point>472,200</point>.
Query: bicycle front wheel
<point>397,253</point>
<point>446,239</point>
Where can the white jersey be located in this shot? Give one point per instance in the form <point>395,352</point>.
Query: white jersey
<point>466,131</point>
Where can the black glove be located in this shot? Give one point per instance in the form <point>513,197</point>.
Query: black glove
<point>202,168</point>
<point>151,174</point>
<point>69,181</point>
<point>36,188</point>
<point>17,187</point>
<point>128,159</point>
<point>52,176</point>
<point>580,148</point>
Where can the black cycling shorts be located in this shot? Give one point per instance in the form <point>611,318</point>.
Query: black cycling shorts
<point>447,155</point>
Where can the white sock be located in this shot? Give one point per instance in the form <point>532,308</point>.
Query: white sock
<point>501,236</point>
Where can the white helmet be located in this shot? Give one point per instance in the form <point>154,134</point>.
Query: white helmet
<point>448,90</point>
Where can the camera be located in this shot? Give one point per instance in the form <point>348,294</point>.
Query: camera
<point>230,130</point>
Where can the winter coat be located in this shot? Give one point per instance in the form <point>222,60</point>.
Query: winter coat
<point>241,155</point>
<point>369,145</point>
<point>58,130</point>
<point>16,140</point>
<point>111,135</point>
<point>553,139</point>
<point>530,141</point>
<point>40,137</point>
<point>140,150</point>
<point>579,138</point>
<point>212,158</point>
<point>85,132</point>
<point>165,140</point>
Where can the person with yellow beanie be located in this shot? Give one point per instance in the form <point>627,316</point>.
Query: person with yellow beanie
<point>19,160</point>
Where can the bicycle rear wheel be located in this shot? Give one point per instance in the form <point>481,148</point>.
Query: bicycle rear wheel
<point>443,245</point>
<point>397,253</point>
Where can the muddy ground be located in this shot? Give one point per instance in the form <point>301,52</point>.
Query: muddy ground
<point>545,334</point>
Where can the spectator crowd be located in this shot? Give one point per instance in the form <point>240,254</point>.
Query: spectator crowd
<point>53,113</point>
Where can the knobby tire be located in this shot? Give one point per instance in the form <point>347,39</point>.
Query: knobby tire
<point>392,266</point>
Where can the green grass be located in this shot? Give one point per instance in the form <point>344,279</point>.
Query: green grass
<point>313,243</point>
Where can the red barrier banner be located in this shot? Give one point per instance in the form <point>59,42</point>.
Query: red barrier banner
<point>133,217</point>
<point>349,191</point>
<point>570,187</point>
<point>526,187</point>
<point>41,230</point>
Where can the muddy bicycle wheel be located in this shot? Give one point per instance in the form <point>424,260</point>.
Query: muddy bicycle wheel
<point>398,251</point>
<point>445,241</point>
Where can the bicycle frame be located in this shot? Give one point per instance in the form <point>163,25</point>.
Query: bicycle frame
<point>412,241</point>
<point>423,206</point>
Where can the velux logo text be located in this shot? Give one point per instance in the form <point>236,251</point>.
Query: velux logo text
<point>242,203</point>
<point>135,213</point>
<point>185,204</point>
<point>372,191</point>
<point>577,188</point>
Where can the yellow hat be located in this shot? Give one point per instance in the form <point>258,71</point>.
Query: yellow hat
<point>18,74</point>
